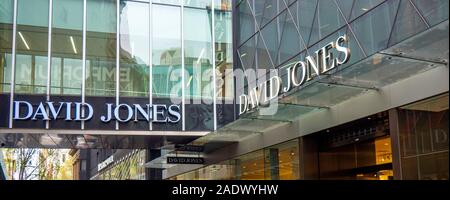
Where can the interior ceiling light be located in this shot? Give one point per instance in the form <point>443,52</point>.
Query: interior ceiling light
<point>73,45</point>
<point>24,41</point>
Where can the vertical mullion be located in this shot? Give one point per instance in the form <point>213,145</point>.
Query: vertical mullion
<point>213,41</point>
<point>117,56</point>
<point>13,66</point>
<point>150,30</point>
<point>83,81</point>
<point>49,54</point>
<point>183,100</point>
<point>278,16</point>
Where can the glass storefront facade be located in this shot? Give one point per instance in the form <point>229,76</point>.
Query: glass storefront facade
<point>279,162</point>
<point>423,135</point>
<point>391,42</point>
<point>360,150</point>
<point>145,51</point>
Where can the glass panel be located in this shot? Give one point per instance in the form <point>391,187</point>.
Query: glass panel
<point>199,64</point>
<point>366,160</point>
<point>272,35</point>
<point>282,161</point>
<point>289,2</point>
<point>224,49</point>
<point>101,48</point>
<point>31,46</point>
<point>374,28</point>
<point>408,23</point>
<point>166,51</point>
<point>250,166</point>
<point>291,43</point>
<point>323,95</point>
<point>173,2</point>
<point>204,4</point>
<point>362,6</point>
<point>279,162</point>
<point>224,5</point>
<point>429,45</point>
<point>67,36</point>
<point>303,13</point>
<point>435,11</point>
<point>327,19</point>
<point>6,33</point>
<point>246,22</point>
<point>383,150</point>
<point>247,54</point>
<point>222,138</point>
<point>198,54</point>
<point>379,70</point>
<point>266,10</point>
<point>133,167</point>
<point>346,7</point>
<point>220,171</point>
<point>282,39</point>
<point>434,167</point>
<point>284,112</point>
<point>423,131</point>
<point>134,49</point>
<point>263,59</point>
<point>251,125</point>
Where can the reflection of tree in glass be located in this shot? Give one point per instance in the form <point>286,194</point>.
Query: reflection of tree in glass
<point>37,164</point>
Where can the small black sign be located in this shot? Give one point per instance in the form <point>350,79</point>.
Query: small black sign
<point>185,160</point>
<point>190,148</point>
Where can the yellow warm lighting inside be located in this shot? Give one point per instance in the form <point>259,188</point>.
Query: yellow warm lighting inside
<point>383,150</point>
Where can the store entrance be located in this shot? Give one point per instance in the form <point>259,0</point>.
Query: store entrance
<point>360,150</point>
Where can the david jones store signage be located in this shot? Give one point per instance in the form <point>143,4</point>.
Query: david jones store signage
<point>297,74</point>
<point>76,111</point>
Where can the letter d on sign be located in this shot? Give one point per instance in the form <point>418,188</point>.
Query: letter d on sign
<point>17,110</point>
<point>243,101</point>
<point>78,107</point>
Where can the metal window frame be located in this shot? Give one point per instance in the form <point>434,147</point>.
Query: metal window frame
<point>83,76</point>
<point>213,42</point>
<point>117,57</point>
<point>13,66</point>
<point>183,94</point>
<point>49,55</point>
<point>150,80</point>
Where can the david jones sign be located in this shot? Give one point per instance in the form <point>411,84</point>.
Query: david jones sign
<point>76,111</point>
<point>297,74</point>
